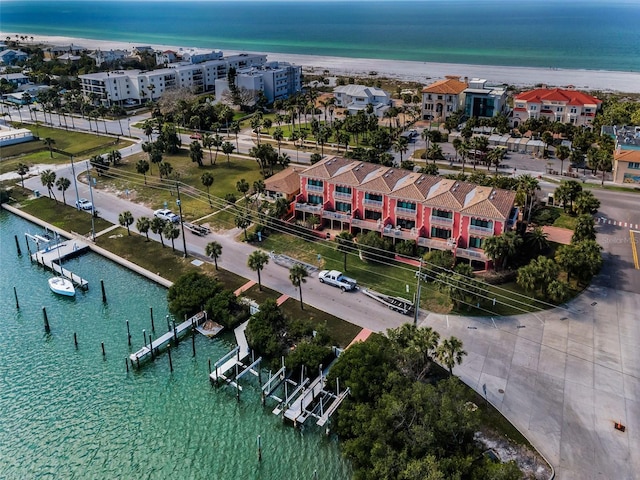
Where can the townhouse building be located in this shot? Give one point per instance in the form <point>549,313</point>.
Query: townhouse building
<point>443,98</point>
<point>555,104</point>
<point>437,213</point>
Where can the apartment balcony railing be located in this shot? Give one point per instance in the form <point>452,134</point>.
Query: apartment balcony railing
<point>481,230</point>
<point>437,243</point>
<point>342,196</point>
<point>471,253</point>
<point>433,220</point>
<point>307,207</point>
<point>373,203</point>
<point>341,216</point>
<point>366,224</point>
<point>314,188</point>
<point>405,234</point>
<point>406,211</point>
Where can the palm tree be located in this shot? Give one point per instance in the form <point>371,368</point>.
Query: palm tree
<point>126,219</point>
<point>143,224</point>
<point>157,226</point>
<point>195,152</point>
<point>243,220</point>
<point>345,245</point>
<point>114,156</point>
<point>298,276</point>
<point>171,232</point>
<point>258,188</point>
<point>562,152</point>
<point>22,170</point>
<point>401,146</point>
<point>585,229</point>
<point>63,183</point>
<point>207,181</point>
<point>256,262</point>
<point>142,167</point>
<point>165,169</point>
<point>450,353</point>
<point>278,135</point>
<point>235,129</point>
<point>536,239</point>
<point>213,250</point>
<point>207,142</point>
<point>227,149</point>
<point>48,179</point>
<point>49,142</point>
<point>243,187</point>
<point>217,142</point>
<point>585,202</point>
<point>435,152</point>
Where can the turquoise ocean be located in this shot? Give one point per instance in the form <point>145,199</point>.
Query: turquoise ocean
<point>573,34</point>
<point>68,413</point>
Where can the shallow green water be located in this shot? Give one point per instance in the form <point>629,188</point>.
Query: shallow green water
<point>67,413</point>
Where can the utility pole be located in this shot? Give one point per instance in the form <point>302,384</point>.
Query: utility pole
<point>416,307</point>
<point>184,240</point>
<point>93,206</point>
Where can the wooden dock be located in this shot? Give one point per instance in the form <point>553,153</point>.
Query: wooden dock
<point>298,411</point>
<point>54,252</point>
<point>234,357</point>
<point>160,342</point>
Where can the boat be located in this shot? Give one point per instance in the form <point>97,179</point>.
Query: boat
<point>196,229</point>
<point>62,286</point>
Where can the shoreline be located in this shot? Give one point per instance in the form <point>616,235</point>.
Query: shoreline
<point>405,70</point>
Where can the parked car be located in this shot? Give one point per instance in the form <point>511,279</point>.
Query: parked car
<point>166,214</point>
<point>195,136</point>
<point>84,204</point>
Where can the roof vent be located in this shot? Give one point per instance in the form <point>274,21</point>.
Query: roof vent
<point>455,185</point>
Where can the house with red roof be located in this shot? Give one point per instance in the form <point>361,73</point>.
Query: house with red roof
<point>556,104</point>
<point>443,98</point>
<point>435,212</point>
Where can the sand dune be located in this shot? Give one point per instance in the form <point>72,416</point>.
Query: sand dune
<point>423,72</point>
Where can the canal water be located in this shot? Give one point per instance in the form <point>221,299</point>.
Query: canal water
<point>72,413</point>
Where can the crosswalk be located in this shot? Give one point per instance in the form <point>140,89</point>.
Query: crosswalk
<point>616,223</point>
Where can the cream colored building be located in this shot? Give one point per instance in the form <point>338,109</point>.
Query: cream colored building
<point>443,98</point>
<point>626,166</point>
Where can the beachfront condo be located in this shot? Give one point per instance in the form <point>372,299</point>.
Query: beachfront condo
<point>443,98</point>
<point>555,104</point>
<point>483,100</point>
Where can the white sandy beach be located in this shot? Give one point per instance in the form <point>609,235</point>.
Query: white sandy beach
<point>423,72</point>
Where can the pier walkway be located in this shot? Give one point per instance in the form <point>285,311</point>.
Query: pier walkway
<point>161,341</point>
<point>234,357</point>
<point>56,252</point>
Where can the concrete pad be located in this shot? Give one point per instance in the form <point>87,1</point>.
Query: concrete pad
<point>552,362</point>
<point>632,390</point>
<point>580,350</point>
<point>579,371</point>
<point>526,354</point>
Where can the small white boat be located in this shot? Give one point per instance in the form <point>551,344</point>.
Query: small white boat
<point>62,286</point>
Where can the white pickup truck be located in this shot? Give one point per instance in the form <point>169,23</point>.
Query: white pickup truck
<point>335,278</point>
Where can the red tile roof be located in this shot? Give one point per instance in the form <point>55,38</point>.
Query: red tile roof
<point>448,86</point>
<point>570,97</point>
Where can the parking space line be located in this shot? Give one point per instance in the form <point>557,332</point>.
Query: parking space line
<point>634,249</point>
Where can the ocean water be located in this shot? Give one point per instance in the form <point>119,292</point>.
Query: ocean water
<point>574,34</point>
<point>72,414</point>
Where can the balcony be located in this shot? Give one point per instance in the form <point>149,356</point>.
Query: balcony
<point>440,221</point>
<point>367,224</point>
<point>309,208</point>
<point>484,231</point>
<point>404,234</point>
<point>373,203</point>
<point>406,211</point>
<point>341,216</point>
<point>342,195</point>
<point>437,243</point>
<point>314,188</point>
<point>471,253</point>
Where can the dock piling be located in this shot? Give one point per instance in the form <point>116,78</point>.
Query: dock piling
<point>170,362</point>
<point>153,327</point>
<point>168,323</point>
<point>193,343</point>
<point>28,249</point>
<point>75,340</point>
<point>104,354</point>
<point>126,364</point>
<point>151,347</point>
<point>209,367</point>
<point>104,294</point>
<point>47,328</point>
<point>18,245</point>
<point>144,333</point>
<point>259,448</point>
<point>15,294</point>
<point>128,333</point>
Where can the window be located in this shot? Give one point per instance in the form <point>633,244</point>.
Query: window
<point>634,165</point>
<point>373,196</point>
<point>475,242</point>
<point>441,213</point>
<point>346,190</point>
<point>440,233</point>
<point>407,205</point>
<point>372,215</point>
<point>429,96</point>
<point>343,207</point>
<point>406,224</point>
<point>315,199</point>
<point>574,110</point>
<point>533,108</point>
<point>559,109</point>
<point>476,222</point>
<point>439,97</point>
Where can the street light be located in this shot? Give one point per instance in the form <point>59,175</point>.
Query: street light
<point>129,125</point>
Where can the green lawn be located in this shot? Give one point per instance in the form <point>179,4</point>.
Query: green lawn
<point>62,216</point>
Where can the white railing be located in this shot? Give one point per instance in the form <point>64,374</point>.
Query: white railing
<point>437,243</point>
<point>440,220</point>
<point>406,211</point>
<point>368,224</point>
<point>342,195</point>
<point>306,207</point>
<point>481,230</point>
<point>344,217</point>
<point>373,203</point>
<point>471,254</point>
<point>315,188</point>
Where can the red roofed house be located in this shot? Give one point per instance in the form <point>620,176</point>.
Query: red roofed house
<point>432,211</point>
<point>443,98</point>
<point>556,104</point>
